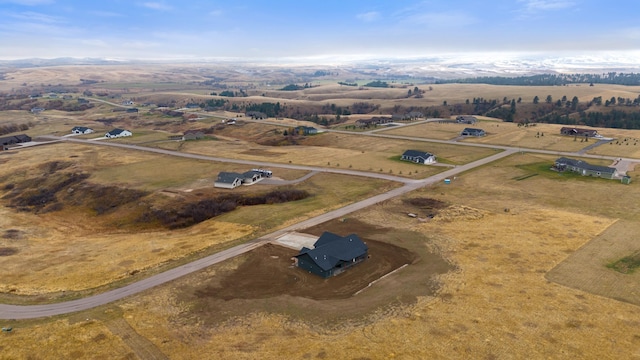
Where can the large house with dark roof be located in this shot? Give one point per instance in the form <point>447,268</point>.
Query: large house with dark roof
<point>472,132</point>
<point>585,169</point>
<point>419,157</point>
<point>332,254</point>
<point>572,131</point>
<point>116,133</point>
<point>6,141</point>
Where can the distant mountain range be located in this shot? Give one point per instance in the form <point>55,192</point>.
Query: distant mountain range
<point>440,66</point>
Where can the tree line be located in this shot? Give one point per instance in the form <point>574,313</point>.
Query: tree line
<point>630,79</point>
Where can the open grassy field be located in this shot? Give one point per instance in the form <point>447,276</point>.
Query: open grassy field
<point>498,302</point>
<point>46,253</point>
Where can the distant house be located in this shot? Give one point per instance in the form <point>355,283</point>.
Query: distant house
<point>419,157</point>
<point>116,133</point>
<point>37,110</point>
<point>373,121</point>
<point>306,130</point>
<point>193,135</point>
<point>230,180</point>
<point>193,106</point>
<point>127,102</point>
<point>472,132</point>
<point>81,130</point>
<point>83,101</point>
<point>572,131</point>
<point>466,119</point>
<point>332,254</point>
<point>132,110</point>
<point>584,168</point>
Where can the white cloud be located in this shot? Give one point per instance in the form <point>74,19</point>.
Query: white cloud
<point>157,6</point>
<point>368,16</point>
<point>35,17</point>
<point>533,6</point>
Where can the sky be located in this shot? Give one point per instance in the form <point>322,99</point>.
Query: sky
<point>312,29</point>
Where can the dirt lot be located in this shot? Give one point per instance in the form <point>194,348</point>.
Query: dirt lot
<point>265,280</point>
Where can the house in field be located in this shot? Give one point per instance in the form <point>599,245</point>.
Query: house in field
<point>192,106</point>
<point>193,135</point>
<point>231,180</point>
<point>332,254</point>
<point>572,131</point>
<point>584,168</point>
<point>419,157</point>
<point>81,130</point>
<point>132,110</point>
<point>7,141</point>
<point>472,132</point>
<point>37,110</point>
<point>466,119</point>
<point>116,133</point>
<point>305,130</point>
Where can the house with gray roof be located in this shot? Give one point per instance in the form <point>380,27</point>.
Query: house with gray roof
<point>231,180</point>
<point>472,132</point>
<point>116,133</point>
<point>584,168</point>
<point>332,254</point>
<point>419,157</point>
<point>81,130</point>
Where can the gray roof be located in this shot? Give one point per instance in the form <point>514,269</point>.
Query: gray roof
<point>80,128</point>
<point>115,132</point>
<point>330,249</point>
<point>585,165</point>
<point>228,177</point>
<point>417,153</point>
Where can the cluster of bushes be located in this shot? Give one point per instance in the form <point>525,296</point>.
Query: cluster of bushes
<point>11,128</point>
<point>194,213</point>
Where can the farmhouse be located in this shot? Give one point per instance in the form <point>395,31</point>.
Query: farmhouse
<point>585,169</point>
<point>37,110</point>
<point>332,254</point>
<point>419,157</point>
<point>116,133</point>
<point>231,180</point>
<point>572,131</point>
<point>466,119</point>
<point>472,132</point>
<point>81,130</point>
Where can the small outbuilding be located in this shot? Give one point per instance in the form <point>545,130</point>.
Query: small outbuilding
<point>332,254</point>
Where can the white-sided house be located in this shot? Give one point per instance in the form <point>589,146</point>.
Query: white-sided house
<point>81,130</point>
<point>228,180</point>
<point>419,157</point>
<point>116,133</point>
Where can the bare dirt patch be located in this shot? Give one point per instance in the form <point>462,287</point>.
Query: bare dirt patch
<point>265,280</point>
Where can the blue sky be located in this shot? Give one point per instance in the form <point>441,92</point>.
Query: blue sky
<point>192,29</point>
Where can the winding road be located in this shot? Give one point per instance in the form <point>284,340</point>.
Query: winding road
<point>36,311</point>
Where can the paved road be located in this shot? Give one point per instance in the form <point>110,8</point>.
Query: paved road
<point>36,311</point>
